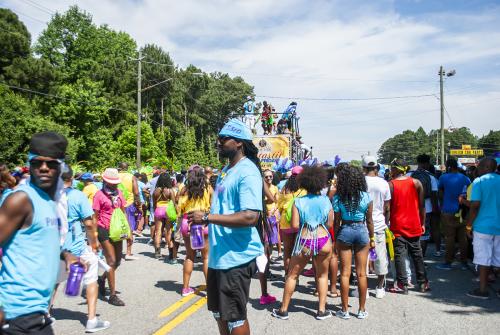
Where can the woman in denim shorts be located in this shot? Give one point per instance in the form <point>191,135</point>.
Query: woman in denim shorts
<point>352,206</point>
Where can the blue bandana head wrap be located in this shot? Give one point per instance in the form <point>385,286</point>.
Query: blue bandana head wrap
<point>236,129</point>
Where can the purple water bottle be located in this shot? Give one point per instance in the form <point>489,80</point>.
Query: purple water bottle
<point>196,237</point>
<point>273,230</point>
<point>373,254</point>
<point>74,282</point>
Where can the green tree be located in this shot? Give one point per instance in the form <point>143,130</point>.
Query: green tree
<point>185,150</point>
<point>490,143</point>
<point>125,146</point>
<point>14,38</point>
<point>19,122</point>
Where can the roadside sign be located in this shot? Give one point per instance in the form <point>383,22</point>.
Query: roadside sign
<point>467,160</point>
<point>471,152</point>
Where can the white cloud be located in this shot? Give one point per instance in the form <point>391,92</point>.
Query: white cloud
<point>326,49</point>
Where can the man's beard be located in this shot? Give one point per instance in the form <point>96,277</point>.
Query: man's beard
<point>228,153</point>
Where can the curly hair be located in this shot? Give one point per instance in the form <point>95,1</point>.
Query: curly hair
<point>196,184</point>
<point>312,179</point>
<point>164,181</point>
<point>291,184</point>
<point>350,183</point>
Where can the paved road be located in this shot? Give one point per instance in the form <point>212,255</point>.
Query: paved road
<point>149,286</point>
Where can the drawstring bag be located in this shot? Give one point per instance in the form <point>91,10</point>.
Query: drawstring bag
<point>171,212</point>
<point>119,228</point>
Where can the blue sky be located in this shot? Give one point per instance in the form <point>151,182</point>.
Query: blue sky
<point>328,49</point>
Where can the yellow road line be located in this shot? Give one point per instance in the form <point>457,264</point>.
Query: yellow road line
<point>172,308</point>
<point>181,317</point>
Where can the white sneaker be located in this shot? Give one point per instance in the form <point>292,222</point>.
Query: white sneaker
<point>131,258</point>
<point>96,325</point>
<point>343,315</point>
<point>362,314</point>
<point>380,293</point>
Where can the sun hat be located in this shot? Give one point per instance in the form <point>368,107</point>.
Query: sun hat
<point>111,176</point>
<point>236,129</point>
<point>296,170</point>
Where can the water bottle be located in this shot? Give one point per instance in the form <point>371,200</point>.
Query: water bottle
<point>74,282</point>
<point>273,230</point>
<point>373,254</point>
<point>196,237</point>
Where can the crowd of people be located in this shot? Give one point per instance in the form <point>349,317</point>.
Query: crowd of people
<point>269,119</point>
<point>333,217</point>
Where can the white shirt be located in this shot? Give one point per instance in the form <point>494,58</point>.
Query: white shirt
<point>379,192</point>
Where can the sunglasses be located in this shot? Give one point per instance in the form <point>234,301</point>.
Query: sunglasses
<point>52,164</point>
<point>268,177</point>
<point>223,139</point>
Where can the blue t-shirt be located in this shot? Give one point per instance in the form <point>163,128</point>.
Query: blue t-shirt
<point>31,259</point>
<point>78,209</point>
<point>453,184</point>
<point>141,186</point>
<point>358,214</point>
<point>313,209</point>
<point>486,190</point>
<point>237,189</point>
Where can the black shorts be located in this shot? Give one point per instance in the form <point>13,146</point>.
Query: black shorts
<point>102,234</point>
<point>36,323</point>
<point>228,290</point>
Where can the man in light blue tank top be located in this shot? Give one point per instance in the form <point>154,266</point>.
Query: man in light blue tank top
<point>30,238</point>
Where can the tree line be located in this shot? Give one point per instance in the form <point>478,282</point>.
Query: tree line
<point>409,144</point>
<point>80,79</point>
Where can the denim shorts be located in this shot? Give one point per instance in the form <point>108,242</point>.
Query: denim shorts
<point>353,234</point>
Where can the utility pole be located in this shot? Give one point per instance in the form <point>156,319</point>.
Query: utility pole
<point>139,89</point>
<point>441,73</point>
<point>162,129</point>
<point>437,148</point>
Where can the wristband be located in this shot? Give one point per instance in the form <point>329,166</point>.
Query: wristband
<point>372,238</point>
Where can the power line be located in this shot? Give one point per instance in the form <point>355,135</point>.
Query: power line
<point>31,17</point>
<point>39,7</point>
<point>345,99</point>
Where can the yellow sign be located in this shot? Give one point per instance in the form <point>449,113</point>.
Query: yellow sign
<point>272,148</point>
<point>466,147</point>
<point>469,152</point>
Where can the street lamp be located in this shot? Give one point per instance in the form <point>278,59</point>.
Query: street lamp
<point>441,74</point>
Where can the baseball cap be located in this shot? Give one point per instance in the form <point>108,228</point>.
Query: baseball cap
<point>236,129</point>
<point>86,176</point>
<point>369,161</point>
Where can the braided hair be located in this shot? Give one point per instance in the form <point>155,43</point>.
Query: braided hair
<point>250,151</point>
<point>350,184</point>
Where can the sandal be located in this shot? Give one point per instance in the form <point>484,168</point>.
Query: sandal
<point>333,295</point>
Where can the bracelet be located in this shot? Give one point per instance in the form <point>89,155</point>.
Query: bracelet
<point>372,238</point>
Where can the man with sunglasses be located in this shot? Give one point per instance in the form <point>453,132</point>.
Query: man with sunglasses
<point>30,234</point>
<point>235,244</point>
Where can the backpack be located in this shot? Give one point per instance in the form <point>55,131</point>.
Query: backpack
<point>119,228</point>
<point>425,178</point>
